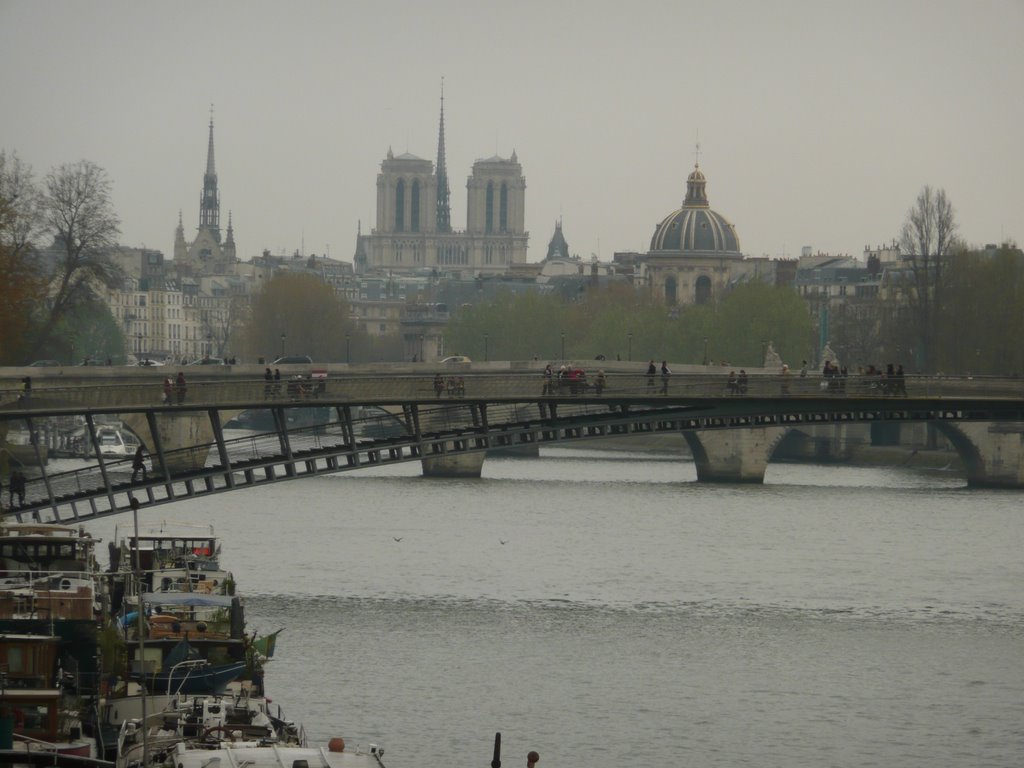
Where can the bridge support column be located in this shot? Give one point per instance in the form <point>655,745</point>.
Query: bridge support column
<point>992,451</point>
<point>185,437</point>
<point>733,455</point>
<point>454,465</point>
<point>451,463</point>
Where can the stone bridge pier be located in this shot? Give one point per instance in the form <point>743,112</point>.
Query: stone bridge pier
<point>733,455</point>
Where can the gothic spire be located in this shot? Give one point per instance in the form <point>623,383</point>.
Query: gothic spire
<point>209,203</point>
<point>444,211</point>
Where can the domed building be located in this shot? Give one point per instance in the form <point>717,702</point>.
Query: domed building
<point>693,250</point>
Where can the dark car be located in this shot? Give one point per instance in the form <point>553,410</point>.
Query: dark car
<point>293,360</point>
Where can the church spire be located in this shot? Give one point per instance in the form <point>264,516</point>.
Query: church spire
<point>209,203</point>
<point>444,210</point>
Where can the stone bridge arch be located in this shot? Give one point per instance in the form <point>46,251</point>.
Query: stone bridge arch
<point>992,451</point>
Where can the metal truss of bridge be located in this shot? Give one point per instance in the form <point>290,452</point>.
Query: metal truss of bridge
<point>235,433</point>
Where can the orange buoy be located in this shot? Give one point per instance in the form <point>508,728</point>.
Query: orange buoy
<point>337,744</point>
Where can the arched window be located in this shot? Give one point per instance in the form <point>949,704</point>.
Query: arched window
<point>489,209</point>
<point>670,291</point>
<point>414,205</point>
<point>503,211</point>
<point>703,286</point>
<point>400,205</point>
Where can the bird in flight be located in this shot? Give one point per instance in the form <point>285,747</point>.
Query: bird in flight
<point>502,541</point>
<point>397,538</point>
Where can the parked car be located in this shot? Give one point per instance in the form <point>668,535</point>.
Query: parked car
<point>209,361</point>
<point>455,360</point>
<point>45,364</point>
<point>149,363</point>
<point>293,360</point>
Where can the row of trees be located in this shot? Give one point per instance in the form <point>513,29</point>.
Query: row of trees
<point>617,323</point>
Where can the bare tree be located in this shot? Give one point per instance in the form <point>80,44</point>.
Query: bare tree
<point>19,205</point>
<point>76,208</point>
<point>926,239</point>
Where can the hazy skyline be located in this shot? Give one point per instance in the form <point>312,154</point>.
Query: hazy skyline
<point>819,122</point>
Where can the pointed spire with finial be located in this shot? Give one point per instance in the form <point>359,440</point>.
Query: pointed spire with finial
<point>444,210</point>
<point>696,194</point>
<point>209,203</point>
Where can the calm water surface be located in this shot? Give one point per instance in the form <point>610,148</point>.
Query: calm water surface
<point>605,609</point>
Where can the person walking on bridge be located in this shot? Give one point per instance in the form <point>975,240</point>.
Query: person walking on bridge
<point>138,465</point>
<point>181,387</point>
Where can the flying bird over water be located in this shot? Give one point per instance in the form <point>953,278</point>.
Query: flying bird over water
<point>397,538</point>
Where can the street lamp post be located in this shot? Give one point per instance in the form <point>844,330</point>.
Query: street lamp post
<point>705,350</point>
<point>629,347</point>
<point>421,346</point>
<point>485,347</point>
<point>764,352</point>
<point>140,347</point>
<point>282,344</point>
<point>563,346</point>
<point>348,349</point>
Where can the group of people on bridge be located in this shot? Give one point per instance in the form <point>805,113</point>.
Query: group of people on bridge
<point>175,390</point>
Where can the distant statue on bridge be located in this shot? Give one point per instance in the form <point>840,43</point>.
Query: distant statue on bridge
<point>828,356</point>
<point>771,357</point>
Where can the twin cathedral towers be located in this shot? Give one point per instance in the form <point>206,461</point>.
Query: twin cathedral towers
<point>414,233</point>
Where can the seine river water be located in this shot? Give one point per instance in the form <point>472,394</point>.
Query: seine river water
<point>604,609</point>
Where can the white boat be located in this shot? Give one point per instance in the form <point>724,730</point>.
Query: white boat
<point>112,444</point>
<point>205,731</point>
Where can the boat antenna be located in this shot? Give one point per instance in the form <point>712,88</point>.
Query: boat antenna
<point>139,628</point>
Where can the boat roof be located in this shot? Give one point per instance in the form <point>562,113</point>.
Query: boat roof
<point>43,529</point>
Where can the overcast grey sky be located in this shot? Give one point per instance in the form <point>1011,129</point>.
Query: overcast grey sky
<point>818,121</point>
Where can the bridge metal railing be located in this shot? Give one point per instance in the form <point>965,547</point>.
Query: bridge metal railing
<point>224,391</point>
<point>248,446</point>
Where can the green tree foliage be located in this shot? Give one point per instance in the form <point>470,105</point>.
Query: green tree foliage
<point>980,323</point>
<point>755,313</point>
<point>517,328</point>
<point>87,331</point>
<point>312,318</point>
<point>617,323</point>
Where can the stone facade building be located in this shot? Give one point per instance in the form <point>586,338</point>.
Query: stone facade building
<point>694,251</point>
<point>414,234</point>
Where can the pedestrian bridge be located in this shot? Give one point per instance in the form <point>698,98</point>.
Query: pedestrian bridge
<point>232,431</point>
